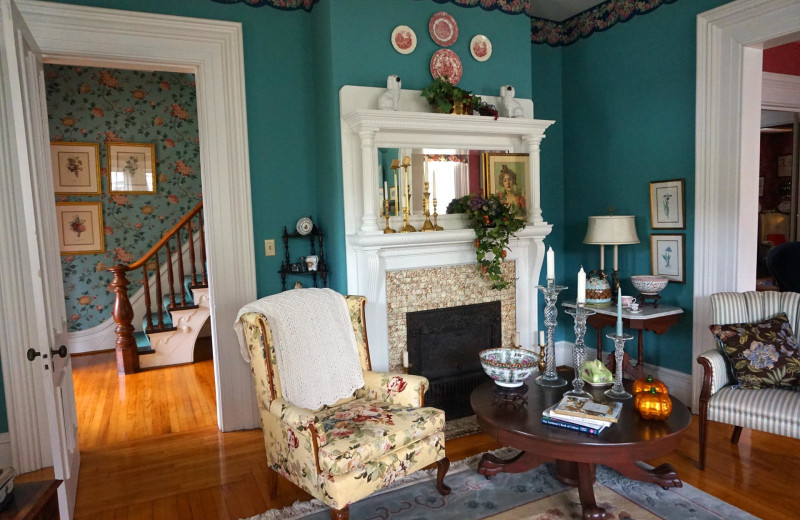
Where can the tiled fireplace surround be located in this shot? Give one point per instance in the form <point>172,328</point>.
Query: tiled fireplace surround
<point>404,272</point>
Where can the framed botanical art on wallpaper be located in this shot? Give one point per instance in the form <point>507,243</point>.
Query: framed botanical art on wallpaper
<point>506,175</point>
<point>667,206</point>
<point>76,168</point>
<point>668,256</point>
<point>80,227</point>
<point>131,168</point>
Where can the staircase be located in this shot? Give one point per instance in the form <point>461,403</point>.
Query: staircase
<point>173,318</point>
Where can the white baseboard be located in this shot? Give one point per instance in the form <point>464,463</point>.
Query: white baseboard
<point>679,384</point>
<point>5,450</point>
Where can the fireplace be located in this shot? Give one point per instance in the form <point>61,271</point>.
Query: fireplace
<point>443,346</point>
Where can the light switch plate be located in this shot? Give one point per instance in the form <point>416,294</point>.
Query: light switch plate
<point>269,247</point>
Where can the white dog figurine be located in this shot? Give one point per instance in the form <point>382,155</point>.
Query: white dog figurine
<point>509,107</point>
<point>391,97</point>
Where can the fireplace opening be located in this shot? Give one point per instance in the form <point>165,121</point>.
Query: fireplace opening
<point>443,346</point>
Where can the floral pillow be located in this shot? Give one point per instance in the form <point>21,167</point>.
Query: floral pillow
<point>763,354</point>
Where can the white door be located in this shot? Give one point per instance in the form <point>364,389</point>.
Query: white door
<point>33,298</point>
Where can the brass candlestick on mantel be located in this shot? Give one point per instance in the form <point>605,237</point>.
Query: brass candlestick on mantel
<point>428,225</point>
<point>387,229</point>
<point>436,226</point>
<point>407,227</point>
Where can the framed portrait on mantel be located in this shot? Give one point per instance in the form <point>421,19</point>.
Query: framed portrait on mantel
<point>80,228</point>
<point>76,168</point>
<point>507,175</point>
<point>131,168</point>
<point>667,206</point>
<point>668,256</point>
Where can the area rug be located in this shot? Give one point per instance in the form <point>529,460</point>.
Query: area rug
<point>534,495</point>
<point>455,428</point>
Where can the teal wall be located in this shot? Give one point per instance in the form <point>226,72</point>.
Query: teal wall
<point>628,112</point>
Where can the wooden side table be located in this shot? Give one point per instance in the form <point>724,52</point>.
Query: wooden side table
<point>657,320</point>
<point>33,501</point>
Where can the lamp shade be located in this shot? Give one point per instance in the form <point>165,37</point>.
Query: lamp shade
<point>611,230</point>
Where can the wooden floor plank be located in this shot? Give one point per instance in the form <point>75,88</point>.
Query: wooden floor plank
<point>159,470</point>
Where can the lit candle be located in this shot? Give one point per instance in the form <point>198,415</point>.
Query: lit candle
<point>551,264</point>
<point>405,359</point>
<point>581,286</point>
<point>619,311</point>
<point>541,337</point>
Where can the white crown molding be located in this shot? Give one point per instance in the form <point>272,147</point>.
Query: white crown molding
<point>780,92</point>
<point>213,51</point>
<point>727,120</point>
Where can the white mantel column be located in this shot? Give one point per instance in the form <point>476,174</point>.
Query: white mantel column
<point>534,190</point>
<point>369,161</point>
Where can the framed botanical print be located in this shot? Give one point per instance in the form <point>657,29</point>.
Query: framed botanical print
<point>131,168</point>
<point>507,176</point>
<point>668,256</point>
<point>80,227</point>
<point>667,207</point>
<point>76,168</point>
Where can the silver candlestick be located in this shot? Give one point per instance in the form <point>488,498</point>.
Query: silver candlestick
<point>580,313</point>
<point>550,377</point>
<point>617,391</point>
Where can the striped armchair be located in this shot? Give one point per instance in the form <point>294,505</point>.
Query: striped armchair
<point>771,410</point>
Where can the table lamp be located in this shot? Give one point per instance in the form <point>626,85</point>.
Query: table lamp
<point>611,230</point>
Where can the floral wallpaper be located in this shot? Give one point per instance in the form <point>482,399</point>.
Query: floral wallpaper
<point>98,105</point>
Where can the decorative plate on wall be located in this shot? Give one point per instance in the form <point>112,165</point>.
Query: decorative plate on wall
<point>404,40</point>
<point>445,62</point>
<point>480,47</point>
<point>304,226</point>
<point>443,29</point>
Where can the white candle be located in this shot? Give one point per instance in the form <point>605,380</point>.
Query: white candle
<point>619,311</point>
<point>424,170</point>
<point>385,190</point>
<point>405,359</point>
<point>581,286</point>
<point>396,194</point>
<point>551,264</point>
<point>434,183</point>
<point>518,340</point>
<point>541,337</point>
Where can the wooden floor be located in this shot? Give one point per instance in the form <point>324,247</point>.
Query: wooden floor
<point>181,471</point>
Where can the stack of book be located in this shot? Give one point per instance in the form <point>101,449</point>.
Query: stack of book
<point>582,414</point>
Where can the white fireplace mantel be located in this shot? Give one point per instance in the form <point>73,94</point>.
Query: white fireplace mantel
<point>370,253</point>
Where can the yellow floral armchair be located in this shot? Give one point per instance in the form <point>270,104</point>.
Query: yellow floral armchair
<point>343,453</point>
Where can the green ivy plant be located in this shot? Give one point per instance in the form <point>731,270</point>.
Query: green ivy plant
<point>494,224</point>
<point>442,95</point>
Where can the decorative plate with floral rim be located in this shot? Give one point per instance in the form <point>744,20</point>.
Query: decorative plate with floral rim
<point>445,62</point>
<point>443,29</point>
<point>404,40</point>
<point>304,226</point>
<point>480,47</point>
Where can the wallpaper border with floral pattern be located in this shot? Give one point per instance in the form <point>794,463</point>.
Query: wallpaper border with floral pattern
<point>582,25</point>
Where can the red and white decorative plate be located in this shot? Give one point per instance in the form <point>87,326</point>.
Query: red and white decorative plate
<point>443,29</point>
<point>445,62</point>
<point>480,47</point>
<point>404,40</point>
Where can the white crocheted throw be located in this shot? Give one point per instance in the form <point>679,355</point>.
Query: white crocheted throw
<point>314,343</point>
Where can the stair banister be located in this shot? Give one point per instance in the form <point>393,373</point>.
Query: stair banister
<point>125,347</point>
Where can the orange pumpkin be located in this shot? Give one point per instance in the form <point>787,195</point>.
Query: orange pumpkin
<point>653,405</point>
<point>646,383</point>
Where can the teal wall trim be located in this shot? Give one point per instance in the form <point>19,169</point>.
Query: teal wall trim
<point>629,118</point>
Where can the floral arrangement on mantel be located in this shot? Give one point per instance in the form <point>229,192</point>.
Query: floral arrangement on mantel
<point>494,224</point>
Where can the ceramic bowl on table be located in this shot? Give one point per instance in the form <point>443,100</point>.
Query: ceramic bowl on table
<point>508,367</point>
<point>649,284</point>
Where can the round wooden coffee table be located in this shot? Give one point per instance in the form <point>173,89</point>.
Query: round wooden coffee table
<point>517,423</point>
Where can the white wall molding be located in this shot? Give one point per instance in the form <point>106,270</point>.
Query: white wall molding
<point>212,50</point>
<point>729,39</point>
<point>780,92</point>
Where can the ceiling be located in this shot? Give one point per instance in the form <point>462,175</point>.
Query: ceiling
<point>560,10</point>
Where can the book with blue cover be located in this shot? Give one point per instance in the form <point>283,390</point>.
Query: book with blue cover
<point>572,426</point>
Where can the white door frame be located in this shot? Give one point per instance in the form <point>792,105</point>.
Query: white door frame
<point>212,50</point>
<point>730,40</point>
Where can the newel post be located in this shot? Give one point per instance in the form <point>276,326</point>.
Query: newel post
<point>127,352</point>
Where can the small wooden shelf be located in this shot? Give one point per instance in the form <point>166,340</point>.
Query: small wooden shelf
<point>316,241</point>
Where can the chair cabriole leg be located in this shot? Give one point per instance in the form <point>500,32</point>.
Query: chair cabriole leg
<point>442,466</point>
